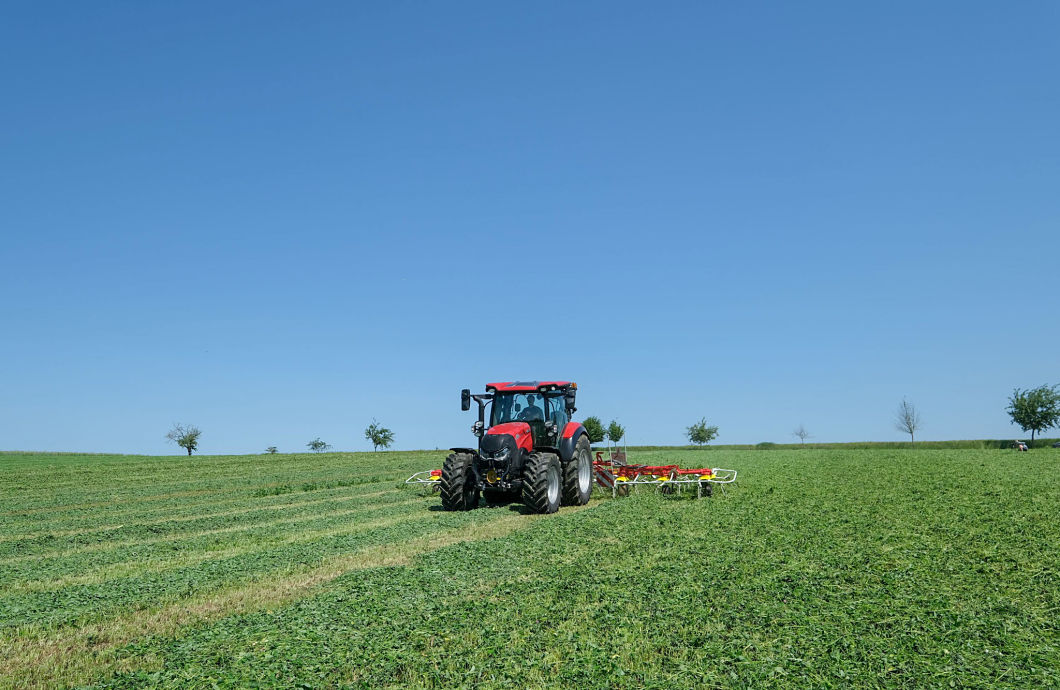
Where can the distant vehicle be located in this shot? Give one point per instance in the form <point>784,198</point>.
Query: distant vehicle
<point>1056,445</point>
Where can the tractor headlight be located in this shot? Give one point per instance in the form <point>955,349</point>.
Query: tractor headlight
<point>501,454</point>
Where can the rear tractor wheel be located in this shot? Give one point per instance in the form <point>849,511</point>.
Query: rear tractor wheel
<point>542,481</point>
<point>578,475</point>
<point>457,484</point>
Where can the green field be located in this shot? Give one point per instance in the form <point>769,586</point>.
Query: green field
<point>821,568</point>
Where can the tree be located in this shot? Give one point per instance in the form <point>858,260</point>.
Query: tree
<point>594,428</point>
<point>615,432</point>
<point>187,437</point>
<point>907,420</point>
<point>1035,410</point>
<point>318,446</point>
<point>271,450</point>
<point>379,435</point>
<point>699,433</point>
<point>801,434</point>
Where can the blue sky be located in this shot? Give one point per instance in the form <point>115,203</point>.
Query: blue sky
<point>280,220</point>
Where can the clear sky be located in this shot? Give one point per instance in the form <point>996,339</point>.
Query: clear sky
<point>278,220</point>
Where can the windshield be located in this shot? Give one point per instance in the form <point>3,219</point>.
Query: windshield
<point>517,407</point>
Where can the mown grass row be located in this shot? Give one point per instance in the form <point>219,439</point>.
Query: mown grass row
<point>181,524</point>
<point>45,483</point>
<point>153,511</point>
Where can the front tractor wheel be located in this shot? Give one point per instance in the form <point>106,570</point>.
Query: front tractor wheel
<point>542,482</point>
<point>457,485</point>
<point>578,475</point>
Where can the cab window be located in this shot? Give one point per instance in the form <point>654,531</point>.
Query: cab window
<point>558,412</point>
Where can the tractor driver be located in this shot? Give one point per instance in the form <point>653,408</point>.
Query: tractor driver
<point>532,411</point>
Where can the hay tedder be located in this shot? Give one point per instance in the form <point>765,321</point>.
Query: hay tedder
<point>532,451</point>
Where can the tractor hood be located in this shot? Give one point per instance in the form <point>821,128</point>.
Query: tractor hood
<point>520,431</point>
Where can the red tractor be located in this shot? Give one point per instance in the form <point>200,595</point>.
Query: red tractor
<point>529,451</point>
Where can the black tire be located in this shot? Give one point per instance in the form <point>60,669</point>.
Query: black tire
<point>542,482</point>
<point>457,485</point>
<point>578,475</point>
<point>708,489</point>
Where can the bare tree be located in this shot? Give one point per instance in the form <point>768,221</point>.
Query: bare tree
<point>907,420</point>
<point>185,436</point>
<point>318,446</point>
<point>801,434</point>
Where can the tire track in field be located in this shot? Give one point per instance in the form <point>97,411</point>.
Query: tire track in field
<point>114,571</point>
<point>139,541</point>
<point>44,656</point>
<point>189,518</point>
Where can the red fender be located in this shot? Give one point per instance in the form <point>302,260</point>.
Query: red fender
<point>569,430</point>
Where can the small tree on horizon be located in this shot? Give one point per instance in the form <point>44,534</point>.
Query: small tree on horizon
<point>801,433</point>
<point>615,432</point>
<point>187,437</point>
<point>271,450</point>
<point>594,428</point>
<point>907,420</point>
<point>1036,409</point>
<point>700,433</point>
<point>379,435</point>
<point>318,446</point>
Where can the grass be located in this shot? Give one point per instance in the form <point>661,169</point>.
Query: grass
<point>823,567</point>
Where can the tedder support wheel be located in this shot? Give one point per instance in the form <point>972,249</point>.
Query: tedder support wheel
<point>457,485</point>
<point>578,475</point>
<point>542,481</point>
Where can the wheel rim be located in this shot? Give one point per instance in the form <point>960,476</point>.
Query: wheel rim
<point>585,473</point>
<point>553,483</point>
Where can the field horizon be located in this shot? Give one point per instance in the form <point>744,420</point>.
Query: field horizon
<point>974,444</point>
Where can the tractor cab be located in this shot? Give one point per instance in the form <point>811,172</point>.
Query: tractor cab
<point>546,414</point>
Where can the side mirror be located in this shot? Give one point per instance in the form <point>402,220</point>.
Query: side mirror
<point>465,399</point>
<point>568,399</point>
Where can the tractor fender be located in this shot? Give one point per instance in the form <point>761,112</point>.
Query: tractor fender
<point>571,433</point>
<point>469,451</point>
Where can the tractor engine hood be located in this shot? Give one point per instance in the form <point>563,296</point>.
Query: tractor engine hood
<point>519,431</point>
<point>500,456</point>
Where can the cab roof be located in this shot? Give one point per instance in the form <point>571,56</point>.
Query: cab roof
<point>528,386</point>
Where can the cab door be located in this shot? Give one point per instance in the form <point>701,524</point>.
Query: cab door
<point>555,412</point>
